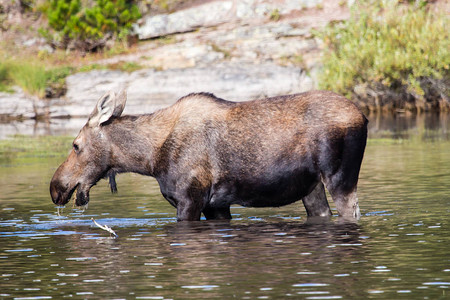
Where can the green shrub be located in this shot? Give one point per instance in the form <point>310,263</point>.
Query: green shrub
<point>396,52</point>
<point>77,25</point>
<point>56,81</point>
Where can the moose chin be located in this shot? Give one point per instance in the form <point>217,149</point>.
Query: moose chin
<point>208,153</point>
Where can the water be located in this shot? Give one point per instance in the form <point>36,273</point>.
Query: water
<point>398,250</point>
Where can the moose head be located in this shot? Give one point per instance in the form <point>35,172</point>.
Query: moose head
<point>91,154</point>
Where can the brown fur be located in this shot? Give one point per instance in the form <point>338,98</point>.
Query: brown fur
<point>208,153</point>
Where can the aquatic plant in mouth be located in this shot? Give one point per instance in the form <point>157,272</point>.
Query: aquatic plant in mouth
<point>59,210</point>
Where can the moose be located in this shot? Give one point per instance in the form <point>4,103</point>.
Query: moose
<point>207,153</point>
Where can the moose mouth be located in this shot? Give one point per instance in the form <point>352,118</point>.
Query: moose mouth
<point>59,195</point>
<point>82,196</point>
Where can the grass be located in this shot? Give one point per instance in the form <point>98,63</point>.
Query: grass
<point>393,46</point>
<point>91,67</point>
<point>275,15</point>
<point>36,79</point>
<point>46,74</point>
<point>125,66</point>
<point>166,5</point>
<point>33,77</point>
<point>4,80</point>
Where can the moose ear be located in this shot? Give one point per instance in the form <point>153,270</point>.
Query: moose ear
<point>121,100</point>
<point>108,106</point>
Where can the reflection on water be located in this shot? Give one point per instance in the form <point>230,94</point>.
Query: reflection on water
<point>205,258</point>
<point>380,125</point>
<point>399,249</point>
<point>426,127</point>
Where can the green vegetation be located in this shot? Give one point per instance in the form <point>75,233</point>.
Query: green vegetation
<point>56,81</point>
<point>91,67</point>
<point>87,27</point>
<point>164,5</point>
<point>24,149</point>
<point>394,56</point>
<point>33,77</point>
<point>125,66</point>
<point>84,25</point>
<point>38,80</point>
<point>4,86</point>
<point>275,15</point>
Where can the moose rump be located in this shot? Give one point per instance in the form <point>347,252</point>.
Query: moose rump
<point>208,153</point>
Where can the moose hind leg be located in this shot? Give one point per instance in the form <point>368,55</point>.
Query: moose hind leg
<point>342,183</point>
<point>316,203</point>
<point>347,204</point>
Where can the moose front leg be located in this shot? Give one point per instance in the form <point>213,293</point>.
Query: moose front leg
<point>188,210</point>
<point>316,203</point>
<point>217,213</point>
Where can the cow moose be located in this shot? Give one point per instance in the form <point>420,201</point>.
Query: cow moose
<point>208,153</point>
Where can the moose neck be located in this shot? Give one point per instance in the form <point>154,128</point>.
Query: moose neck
<point>135,142</point>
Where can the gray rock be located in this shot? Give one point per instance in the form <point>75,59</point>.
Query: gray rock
<point>17,106</point>
<point>215,13</point>
<point>209,14</point>
<point>149,90</point>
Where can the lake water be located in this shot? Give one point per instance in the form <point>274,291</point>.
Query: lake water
<point>400,249</point>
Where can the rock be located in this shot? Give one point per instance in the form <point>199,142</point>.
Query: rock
<point>215,13</point>
<point>17,106</point>
<point>149,90</point>
<point>209,14</point>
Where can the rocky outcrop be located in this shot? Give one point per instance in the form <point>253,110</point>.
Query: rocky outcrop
<point>215,13</point>
<point>16,106</point>
<point>149,89</point>
<point>249,31</point>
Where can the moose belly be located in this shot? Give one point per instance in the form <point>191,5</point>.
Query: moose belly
<point>263,192</point>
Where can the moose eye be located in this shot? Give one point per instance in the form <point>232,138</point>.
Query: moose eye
<point>75,147</point>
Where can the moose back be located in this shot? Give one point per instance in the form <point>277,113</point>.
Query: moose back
<point>208,153</point>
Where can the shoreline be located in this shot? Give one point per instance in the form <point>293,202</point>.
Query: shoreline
<point>380,125</point>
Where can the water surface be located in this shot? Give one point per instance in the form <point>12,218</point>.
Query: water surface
<point>399,249</point>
